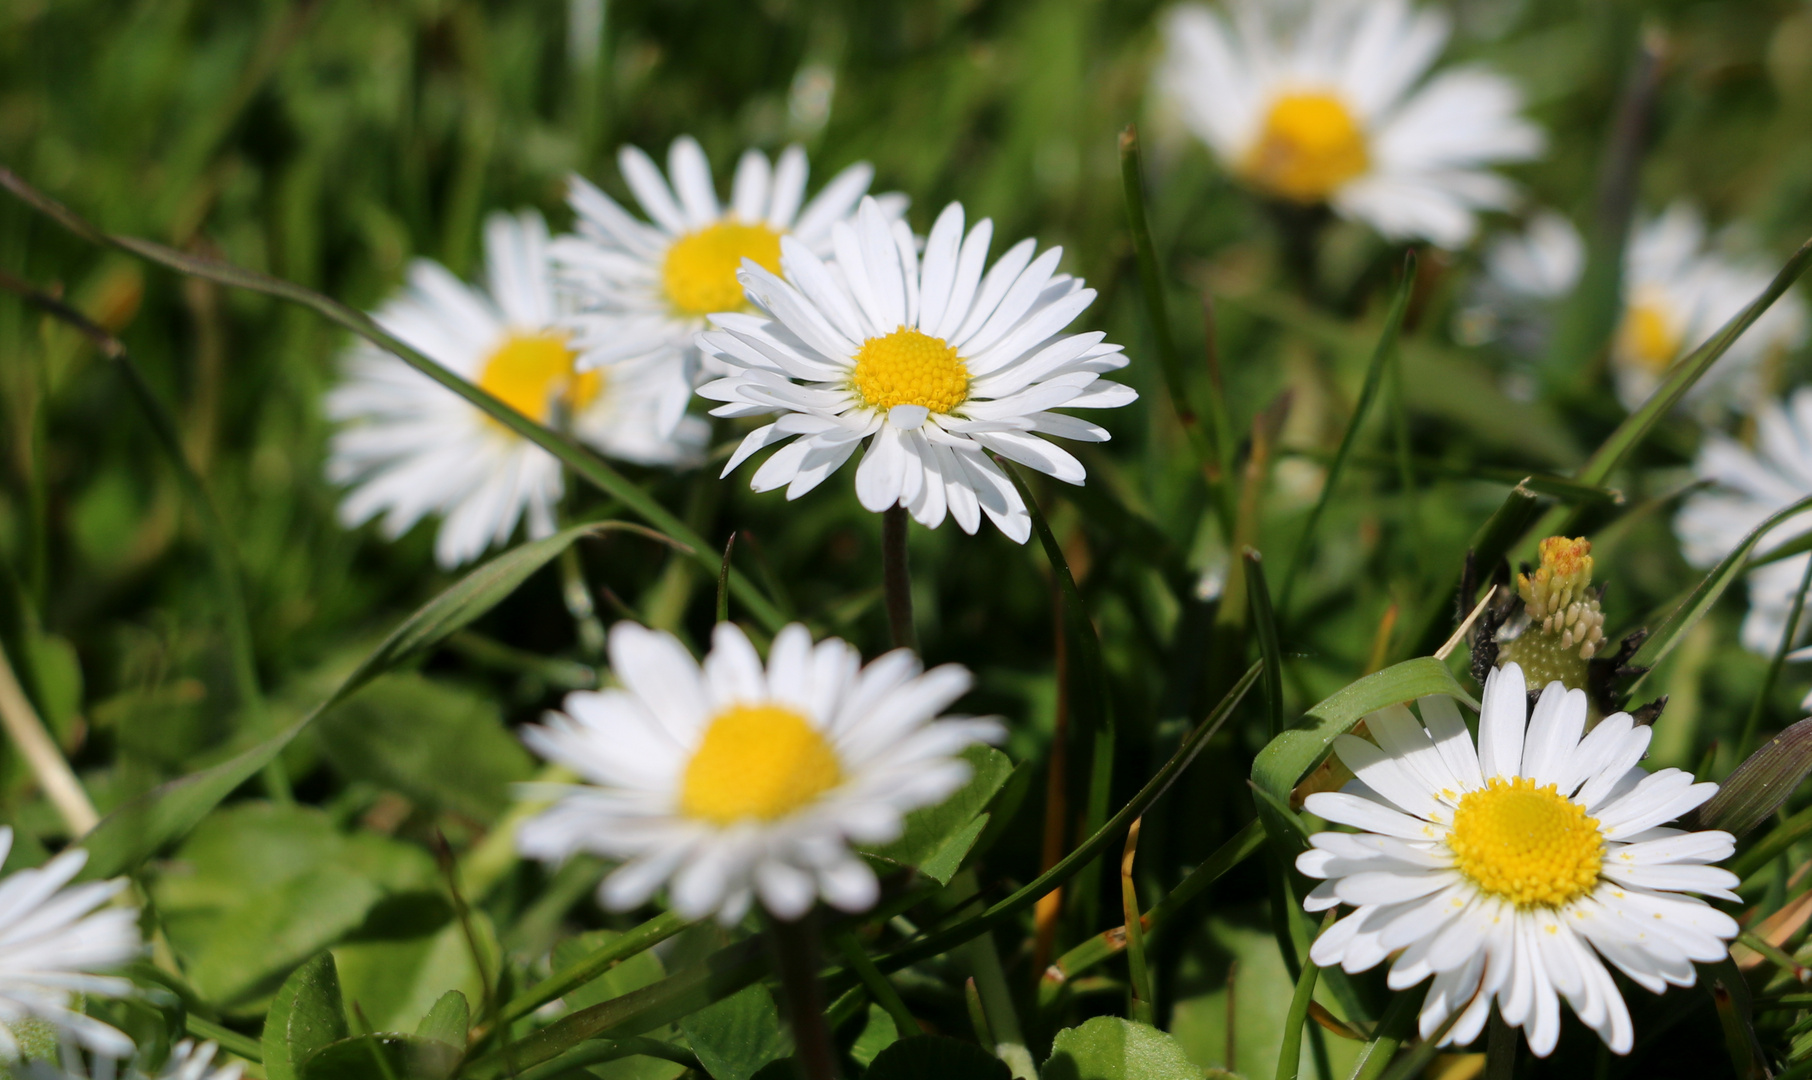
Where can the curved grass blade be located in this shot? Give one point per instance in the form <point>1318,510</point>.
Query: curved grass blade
<point>572,453</point>
<point>1690,611</point>
<point>141,828</point>
<point>1374,374</point>
<point>225,561</point>
<point>1264,626</point>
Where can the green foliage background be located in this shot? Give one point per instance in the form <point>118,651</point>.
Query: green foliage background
<point>329,141</point>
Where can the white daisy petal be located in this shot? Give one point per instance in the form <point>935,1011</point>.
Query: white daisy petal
<point>1504,708</point>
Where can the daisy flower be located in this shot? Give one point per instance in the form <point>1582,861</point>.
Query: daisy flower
<point>409,448</point>
<point>1515,870</point>
<point>1325,103</point>
<point>646,288</point>
<point>1677,292</point>
<point>53,945</point>
<point>1747,487</point>
<point>929,360</point>
<point>734,780</point>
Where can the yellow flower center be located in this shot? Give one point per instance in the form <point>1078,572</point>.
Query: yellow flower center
<point>757,761</point>
<point>1649,337</point>
<point>700,271</point>
<point>910,368</point>
<point>1310,146</point>
<point>530,371</point>
<point>1530,845</point>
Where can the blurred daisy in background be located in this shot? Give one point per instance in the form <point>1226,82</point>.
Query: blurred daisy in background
<point>1677,292</point>
<point>1325,103</point>
<point>733,781</point>
<point>1516,301</point>
<point>1747,487</point>
<point>931,361</point>
<point>1511,871</point>
<point>188,1060</point>
<point>56,941</point>
<point>410,448</point>
<point>644,289</point>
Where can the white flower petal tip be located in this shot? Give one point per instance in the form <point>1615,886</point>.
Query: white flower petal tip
<point>739,781</point>
<point>936,359</point>
<point>1328,103</point>
<point>643,289</point>
<point>908,417</point>
<point>408,449</point>
<point>59,940</point>
<point>1742,488</point>
<point>1504,870</point>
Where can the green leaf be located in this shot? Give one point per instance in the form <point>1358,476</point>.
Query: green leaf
<point>937,838</point>
<point>307,1015</point>
<point>1109,1048</point>
<point>440,745</point>
<point>1758,787</point>
<point>735,1037</point>
<point>383,1056</point>
<point>448,1021</point>
<point>632,973</point>
<point>1288,758</point>
<point>409,952</point>
<point>147,825</point>
<point>877,1034</point>
<point>1706,594</point>
<point>934,1057</point>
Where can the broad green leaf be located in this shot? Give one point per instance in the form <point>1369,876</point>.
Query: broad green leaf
<point>934,1057</point>
<point>937,838</point>
<point>1109,1048</point>
<point>383,1056</point>
<point>409,953</point>
<point>1695,606</point>
<point>1287,758</point>
<point>1758,787</point>
<point>258,888</point>
<point>735,1037</point>
<point>448,1021</point>
<point>147,825</point>
<point>307,1015</point>
<point>440,745</point>
<point>877,1034</point>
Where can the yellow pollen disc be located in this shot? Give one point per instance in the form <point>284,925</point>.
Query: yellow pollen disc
<point>1530,845</point>
<point>1309,147</point>
<point>757,761</point>
<point>910,368</point>
<point>700,271</point>
<point>1648,337</point>
<point>530,371</point>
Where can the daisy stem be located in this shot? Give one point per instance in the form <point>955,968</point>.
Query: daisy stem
<point>1788,633</point>
<point>795,947</point>
<point>40,752</point>
<point>1500,1048</point>
<point>896,578</point>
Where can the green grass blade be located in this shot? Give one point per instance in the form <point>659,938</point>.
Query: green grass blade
<point>570,451</point>
<point>1687,615</point>
<point>1264,627</point>
<point>1374,375</point>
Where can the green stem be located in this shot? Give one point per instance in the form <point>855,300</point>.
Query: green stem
<point>896,579</point>
<point>883,992</point>
<point>1398,1021</point>
<point>587,968</point>
<point>795,946</point>
<point>1500,1048</point>
<point>243,1046</point>
<point>1289,1055</point>
<point>580,605</point>
<point>568,450</point>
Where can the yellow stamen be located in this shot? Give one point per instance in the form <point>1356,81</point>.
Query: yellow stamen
<point>1310,145</point>
<point>1649,337</point>
<point>757,761</point>
<point>531,371</point>
<point>907,367</point>
<point>700,271</point>
<point>1530,845</point>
